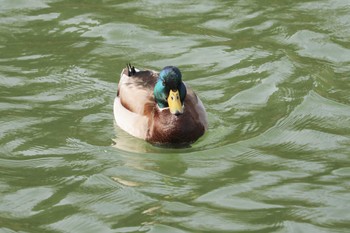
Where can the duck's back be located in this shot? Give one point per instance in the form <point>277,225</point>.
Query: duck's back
<point>136,91</point>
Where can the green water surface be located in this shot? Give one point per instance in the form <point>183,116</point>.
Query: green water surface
<point>273,76</point>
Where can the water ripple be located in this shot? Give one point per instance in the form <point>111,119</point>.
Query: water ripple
<point>273,78</point>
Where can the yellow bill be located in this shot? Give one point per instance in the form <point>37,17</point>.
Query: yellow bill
<point>174,102</point>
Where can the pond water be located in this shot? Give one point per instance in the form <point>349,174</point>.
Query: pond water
<point>273,76</point>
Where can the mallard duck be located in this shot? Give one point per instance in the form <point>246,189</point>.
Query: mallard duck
<point>159,107</point>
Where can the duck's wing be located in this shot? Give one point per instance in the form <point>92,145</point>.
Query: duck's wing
<point>135,100</point>
<point>135,89</point>
<point>131,122</point>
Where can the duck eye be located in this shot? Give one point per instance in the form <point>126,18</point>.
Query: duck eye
<point>172,98</point>
<point>163,83</point>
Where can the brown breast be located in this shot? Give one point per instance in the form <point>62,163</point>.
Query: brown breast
<point>167,128</point>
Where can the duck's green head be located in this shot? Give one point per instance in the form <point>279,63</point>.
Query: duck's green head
<point>170,91</point>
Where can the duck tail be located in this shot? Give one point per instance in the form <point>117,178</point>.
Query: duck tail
<point>131,69</point>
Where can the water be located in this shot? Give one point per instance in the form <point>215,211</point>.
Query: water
<point>273,76</point>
